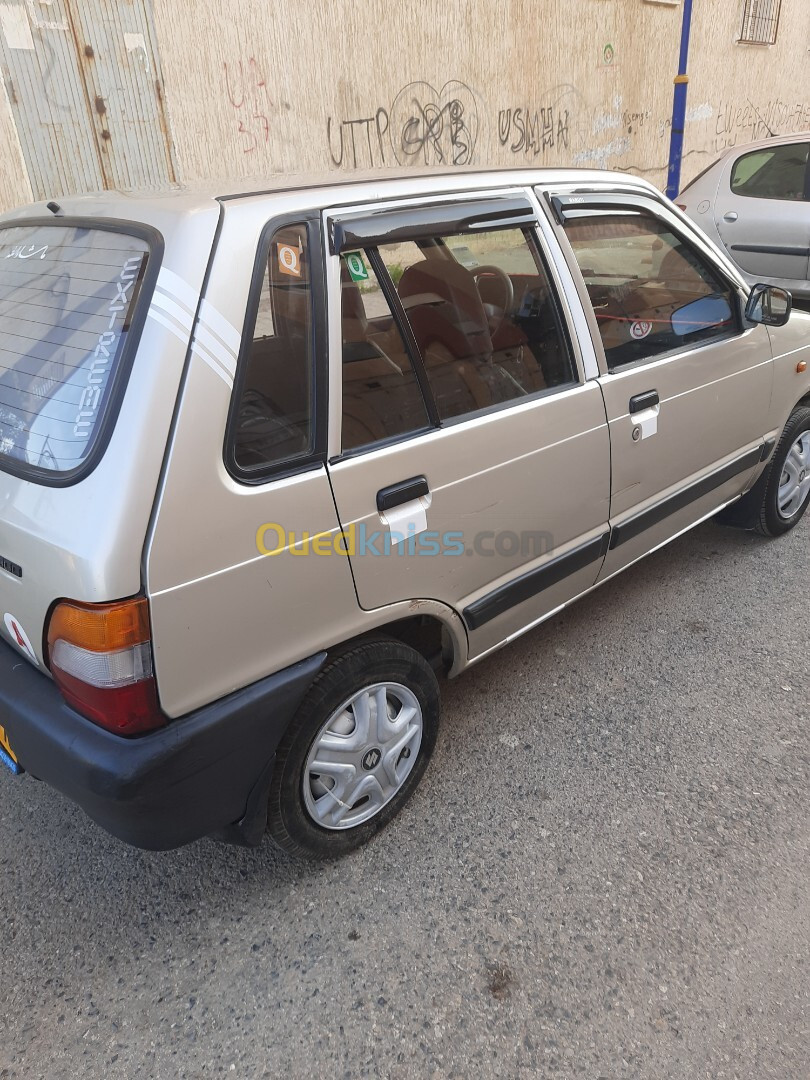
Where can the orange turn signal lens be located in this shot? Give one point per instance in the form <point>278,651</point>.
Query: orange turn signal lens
<point>100,627</point>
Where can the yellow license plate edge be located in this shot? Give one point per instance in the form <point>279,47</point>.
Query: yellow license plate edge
<point>6,745</point>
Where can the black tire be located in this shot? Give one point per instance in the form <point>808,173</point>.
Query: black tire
<point>290,823</point>
<point>770,520</point>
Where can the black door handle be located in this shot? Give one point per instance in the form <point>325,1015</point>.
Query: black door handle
<point>403,492</point>
<point>644,401</point>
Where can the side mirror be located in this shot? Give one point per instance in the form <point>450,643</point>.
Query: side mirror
<point>769,305</point>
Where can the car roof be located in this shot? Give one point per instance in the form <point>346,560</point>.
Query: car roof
<point>186,198</point>
<point>761,144</point>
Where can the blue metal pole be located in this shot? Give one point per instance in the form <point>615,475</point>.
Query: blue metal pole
<point>679,107</point>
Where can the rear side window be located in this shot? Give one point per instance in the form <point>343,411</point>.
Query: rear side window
<point>483,315</point>
<point>68,298</point>
<point>775,172</point>
<point>272,421</point>
<point>483,325</point>
<point>381,394</point>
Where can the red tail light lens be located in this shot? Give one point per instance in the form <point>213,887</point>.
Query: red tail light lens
<point>100,656</point>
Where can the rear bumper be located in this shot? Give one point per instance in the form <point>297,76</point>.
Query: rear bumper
<point>203,773</point>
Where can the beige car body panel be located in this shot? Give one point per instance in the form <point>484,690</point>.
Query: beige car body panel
<point>161,511</point>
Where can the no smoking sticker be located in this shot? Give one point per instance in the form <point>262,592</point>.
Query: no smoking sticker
<point>289,260</point>
<point>639,330</point>
<point>355,265</point>
<point>19,637</point>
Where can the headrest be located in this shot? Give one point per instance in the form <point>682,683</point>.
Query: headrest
<point>443,304</point>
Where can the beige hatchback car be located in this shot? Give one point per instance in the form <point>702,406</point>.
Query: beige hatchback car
<point>269,460</point>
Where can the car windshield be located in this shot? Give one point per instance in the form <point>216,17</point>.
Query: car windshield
<point>67,298</point>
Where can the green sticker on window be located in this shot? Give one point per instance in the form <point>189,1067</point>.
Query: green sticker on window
<point>356,266</point>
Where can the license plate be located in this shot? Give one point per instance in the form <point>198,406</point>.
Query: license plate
<point>7,755</point>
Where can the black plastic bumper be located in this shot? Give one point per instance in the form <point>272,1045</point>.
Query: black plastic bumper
<point>198,775</point>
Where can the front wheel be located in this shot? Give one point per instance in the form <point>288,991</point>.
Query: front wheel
<point>356,749</point>
<point>787,490</point>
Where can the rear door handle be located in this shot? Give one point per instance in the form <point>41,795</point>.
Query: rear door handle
<point>644,401</point>
<point>731,215</point>
<point>404,491</point>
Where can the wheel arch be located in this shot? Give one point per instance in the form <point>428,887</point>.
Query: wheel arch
<point>432,629</point>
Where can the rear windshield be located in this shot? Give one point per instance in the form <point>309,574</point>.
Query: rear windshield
<point>67,299</point>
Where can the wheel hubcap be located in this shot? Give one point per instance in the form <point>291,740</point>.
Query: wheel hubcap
<point>794,483</point>
<point>362,756</point>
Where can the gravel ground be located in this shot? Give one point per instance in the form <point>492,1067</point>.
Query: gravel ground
<point>604,874</point>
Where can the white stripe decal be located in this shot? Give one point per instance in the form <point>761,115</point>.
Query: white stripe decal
<point>177,287</point>
<point>178,331</point>
<point>215,347</point>
<point>221,327</point>
<point>173,309</point>
<point>216,344</point>
<point>212,363</point>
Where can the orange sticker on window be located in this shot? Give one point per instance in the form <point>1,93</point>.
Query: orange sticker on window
<point>289,260</point>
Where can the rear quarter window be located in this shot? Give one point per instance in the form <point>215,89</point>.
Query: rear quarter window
<point>69,295</point>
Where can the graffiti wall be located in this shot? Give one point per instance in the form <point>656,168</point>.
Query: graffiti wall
<point>338,85</point>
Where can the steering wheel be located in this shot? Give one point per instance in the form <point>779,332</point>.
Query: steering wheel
<point>496,312</point>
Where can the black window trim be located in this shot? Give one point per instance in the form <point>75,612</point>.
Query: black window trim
<point>401,322</point>
<point>772,198</point>
<point>393,225</point>
<point>120,377</point>
<point>531,233</point>
<point>315,456</point>
<point>636,204</point>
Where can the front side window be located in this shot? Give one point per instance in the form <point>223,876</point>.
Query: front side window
<point>68,297</point>
<point>273,415</point>
<point>775,172</point>
<point>650,291</point>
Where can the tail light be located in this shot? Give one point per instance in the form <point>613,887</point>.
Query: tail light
<point>681,206</point>
<point>100,656</point>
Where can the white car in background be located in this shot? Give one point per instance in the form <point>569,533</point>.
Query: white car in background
<point>755,202</point>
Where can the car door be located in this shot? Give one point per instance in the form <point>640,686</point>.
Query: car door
<point>686,385</point>
<point>470,461</point>
<point>762,210</point>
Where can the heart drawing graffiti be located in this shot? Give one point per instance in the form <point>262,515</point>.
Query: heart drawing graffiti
<point>434,127</point>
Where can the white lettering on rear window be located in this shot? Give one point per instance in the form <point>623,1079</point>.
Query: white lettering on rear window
<point>105,350</point>
<point>20,251</point>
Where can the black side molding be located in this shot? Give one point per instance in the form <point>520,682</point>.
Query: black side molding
<point>403,492</point>
<point>535,581</point>
<point>766,249</point>
<point>631,528</point>
<point>767,449</point>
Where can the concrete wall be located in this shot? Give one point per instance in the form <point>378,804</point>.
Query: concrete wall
<point>259,87</point>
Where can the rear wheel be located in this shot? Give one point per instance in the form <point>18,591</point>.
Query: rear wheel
<point>786,492</point>
<point>356,750</point>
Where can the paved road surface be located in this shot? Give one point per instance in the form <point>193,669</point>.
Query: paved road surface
<point>605,874</point>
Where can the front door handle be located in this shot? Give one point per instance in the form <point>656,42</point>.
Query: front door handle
<point>644,401</point>
<point>730,216</point>
<point>404,491</point>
